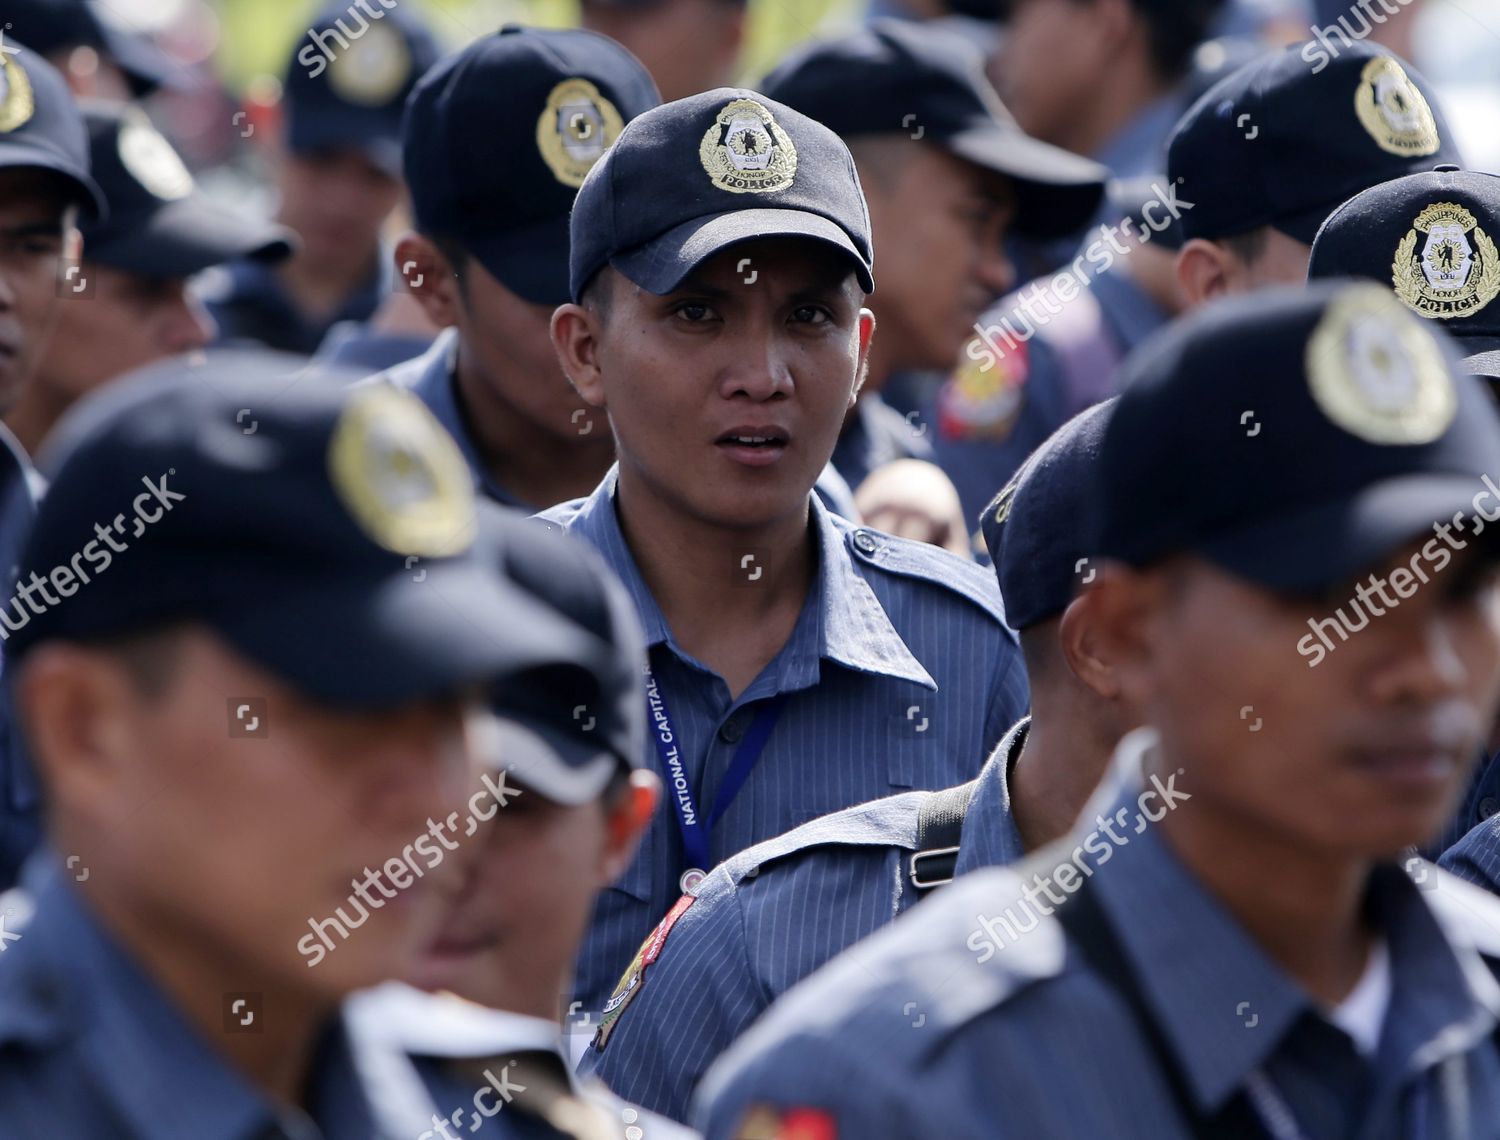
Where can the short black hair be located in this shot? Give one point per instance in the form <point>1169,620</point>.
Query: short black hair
<point>1248,246</point>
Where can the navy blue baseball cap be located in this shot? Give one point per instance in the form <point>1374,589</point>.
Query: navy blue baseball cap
<point>1295,437</point>
<point>565,729</point>
<point>498,138</point>
<point>1431,238</point>
<point>1036,527</point>
<point>1286,138</point>
<point>50,27</point>
<point>348,79</point>
<point>693,177</point>
<point>41,125</point>
<point>921,82</point>
<point>332,536</point>
<point>160,224</point>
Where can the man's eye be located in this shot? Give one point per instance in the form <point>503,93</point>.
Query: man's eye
<point>810,315</point>
<point>694,311</point>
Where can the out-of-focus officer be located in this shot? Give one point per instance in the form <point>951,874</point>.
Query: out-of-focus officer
<point>95,57</point>
<point>947,175</point>
<point>1431,239</point>
<point>720,261</point>
<point>45,189</point>
<point>1226,945</point>
<point>248,659</point>
<point>688,46</point>
<point>127,302</point>
<point>774,913</point>
<point>337,170</point>
<point>497,141</point>
<point>1268,152</point>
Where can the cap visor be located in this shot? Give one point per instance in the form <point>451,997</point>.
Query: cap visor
<point>532,262</point>
<point>145,65</point>
<point>1483,362</point>
<point>90,197</point>
<point>185,237</point>
<point>546,762</point>
<point>310,132</point>
<point>1310,551</point>
<point>1057,191</point>
<point>393,640</point>
<point>662,265</point>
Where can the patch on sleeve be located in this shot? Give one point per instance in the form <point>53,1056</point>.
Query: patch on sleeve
<point>983,397</point>
<point>762,1122</point>
<point>635,974</point>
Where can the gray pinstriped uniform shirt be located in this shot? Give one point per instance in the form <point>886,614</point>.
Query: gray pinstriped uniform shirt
<point>902,675</point>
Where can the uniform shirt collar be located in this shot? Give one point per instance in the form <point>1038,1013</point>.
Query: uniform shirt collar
<point>989,837</point>
<point>434,381</point>
<point>842,622</point>
<point>74,981</point>
<point>1197,966</point>
<point>1139,147</point>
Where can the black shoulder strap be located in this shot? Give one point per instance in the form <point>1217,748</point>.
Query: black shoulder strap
<point>1089,931</point>
<point>940,824</point>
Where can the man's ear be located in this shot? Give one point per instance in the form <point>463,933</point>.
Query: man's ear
<point>1121,610</point>
<point>430,277</point>
<point>1204,271</point>
<point>576,333</point>
<point>75,705</point>
<point>866,336</point>
<point>1084,650</point>
<point>627,822</point>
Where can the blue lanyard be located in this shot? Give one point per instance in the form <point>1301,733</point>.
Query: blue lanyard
<point>696,830</point>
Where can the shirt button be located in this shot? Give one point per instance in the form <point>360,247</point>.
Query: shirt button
<point>1488,806</point>
<point>865,541</point>
<point>732,729</point>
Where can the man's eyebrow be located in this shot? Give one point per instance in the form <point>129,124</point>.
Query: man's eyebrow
<point>52,227</point>
<point>700,288</point>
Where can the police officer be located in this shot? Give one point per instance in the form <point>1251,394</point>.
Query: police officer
<point>688,46</point>
<point>1226,945</point>
<point>44,189</point>
<point>1269,151</point>
<point>719,263</point>
<point>947,175</point>
<point>568,750</point>
<point>128,300</point>
<point>774,913</point>
<point>1427,238</point>
<point>250,699</point>
<point>337,170</point>
<point>97,59</point>
<point>498,139</point>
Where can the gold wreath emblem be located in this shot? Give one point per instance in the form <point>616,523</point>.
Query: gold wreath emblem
<point>17,103</point>
<point>1411,284</point>
<point>747,152</point>
<point>575,128</point>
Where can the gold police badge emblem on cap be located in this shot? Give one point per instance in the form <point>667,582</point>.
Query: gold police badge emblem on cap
<point>151,160</point>
<point>1450,275</point>
<point>1378,373</point>
<point>747,152</point>
<point>17,103</point>
<point>1393,111</point>
<point>401,475</point>
<point>576,127</point>
<point>373,68</point>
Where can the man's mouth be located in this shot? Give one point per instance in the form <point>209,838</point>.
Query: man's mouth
<point>754,446</point>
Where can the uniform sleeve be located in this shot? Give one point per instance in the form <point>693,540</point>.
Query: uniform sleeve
<point>1476,857</point>
<point>693,1001</point>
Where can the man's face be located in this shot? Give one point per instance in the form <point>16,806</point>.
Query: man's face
<point>507,341</point>
<point>34,232</point>
<point>938,223</point>
<point>688,46</point>
<point>1046,69</point>
<point>337,201</point>
<point>126,322</point>
<point>518,920</point>
<point>1360,755</point>
<point>235,843</point>
<point>727,395</point>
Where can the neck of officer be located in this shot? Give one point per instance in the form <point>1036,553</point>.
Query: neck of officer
<point>1302,906</point>
<point>534,465</point>
<point>1065,754</point>
<point>730,595</point>
<point>197,977</point>
<point>320,286</point>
